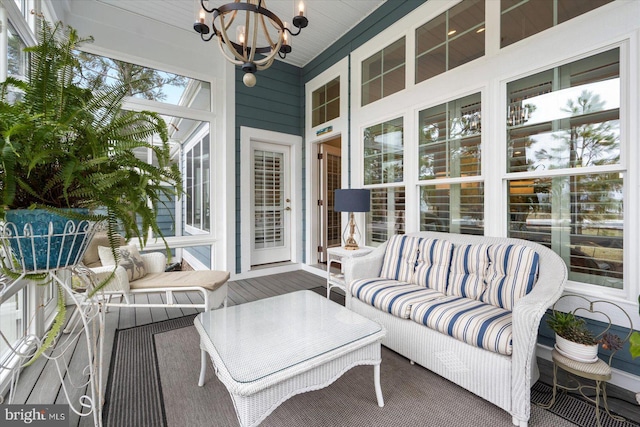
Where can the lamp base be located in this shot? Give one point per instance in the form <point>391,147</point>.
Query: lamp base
<point>351,246</point>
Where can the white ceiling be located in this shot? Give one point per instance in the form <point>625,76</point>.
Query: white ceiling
<point>328,19</point>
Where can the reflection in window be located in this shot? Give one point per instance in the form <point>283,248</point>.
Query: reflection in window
<point>386,216</point>
<point>452,208</point>
<point>567,118</point>
<point>574,125</point>
<point>451,39</point>
<point>450,139</point>
<point>383,72</point>
<point>520,19</point>
<point>325,103</point>
<point>16,57</point>
<point>383,152</point>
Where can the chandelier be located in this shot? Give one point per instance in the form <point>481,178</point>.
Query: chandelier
<point>259,35</point>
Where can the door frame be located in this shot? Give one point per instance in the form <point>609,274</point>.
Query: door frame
<point>294,142</point>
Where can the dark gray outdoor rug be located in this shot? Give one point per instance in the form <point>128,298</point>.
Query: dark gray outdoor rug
<point>154,374</point>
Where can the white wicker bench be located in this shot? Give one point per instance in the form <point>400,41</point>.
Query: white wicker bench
<point>503,379</point>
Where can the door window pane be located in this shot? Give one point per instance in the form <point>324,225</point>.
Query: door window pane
<point>268,199</point>
<point>383,152</point>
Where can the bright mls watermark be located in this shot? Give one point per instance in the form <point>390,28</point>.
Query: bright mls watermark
<point>34,415</point>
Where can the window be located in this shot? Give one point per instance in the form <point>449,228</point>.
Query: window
<point>12,324</point>
<point>520,19</point>
<point>383,152</point>
<point>383,164</point>
<point>386,216</point>
<point>147,83</point>
<point>566,120</point>
<point>448,155</point>
<point>196,179</point>
<point>326,103</point>
<point>16,57</point>
<point>383,73</point>
<point>450,40</point>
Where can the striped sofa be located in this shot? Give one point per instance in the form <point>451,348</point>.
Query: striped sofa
<point>466,307</point>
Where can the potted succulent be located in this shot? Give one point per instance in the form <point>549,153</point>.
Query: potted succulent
<point>70,151</point>
<point>573,339</point>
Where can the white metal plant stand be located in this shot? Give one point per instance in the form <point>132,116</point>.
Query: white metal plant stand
<point>82,390</point>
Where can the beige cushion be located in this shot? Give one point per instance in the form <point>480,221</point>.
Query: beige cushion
<point>128,258</point>
<point>91,257</point>
<point>208,279</point>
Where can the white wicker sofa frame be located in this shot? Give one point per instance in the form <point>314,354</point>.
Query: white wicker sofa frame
<point>211,284</point>
<point>502,380</point>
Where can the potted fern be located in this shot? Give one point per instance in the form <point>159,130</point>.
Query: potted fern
<point>70,152</point>
<point>573,339</point>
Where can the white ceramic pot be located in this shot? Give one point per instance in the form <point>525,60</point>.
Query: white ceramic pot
<point>576,351</point>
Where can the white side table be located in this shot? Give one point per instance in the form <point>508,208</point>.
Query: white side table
<point>339,255</point>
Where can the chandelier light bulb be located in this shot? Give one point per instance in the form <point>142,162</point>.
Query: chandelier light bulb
<point>249,79</point>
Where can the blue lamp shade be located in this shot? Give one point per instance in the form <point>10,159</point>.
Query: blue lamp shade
<point>352,200</point>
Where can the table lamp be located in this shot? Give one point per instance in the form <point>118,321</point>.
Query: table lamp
<point>351,200</point>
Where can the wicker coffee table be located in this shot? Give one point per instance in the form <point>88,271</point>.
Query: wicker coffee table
<point>269,350</point>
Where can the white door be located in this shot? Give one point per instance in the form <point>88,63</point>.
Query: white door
<point>271,203</point>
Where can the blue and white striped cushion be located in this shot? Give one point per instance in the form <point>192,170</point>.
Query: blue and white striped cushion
<point>468,269</point>
<point>512,273</point>
<point>432,267</point>
<point>474,322</point>
<point>400,258</point>
<point>390,295</point>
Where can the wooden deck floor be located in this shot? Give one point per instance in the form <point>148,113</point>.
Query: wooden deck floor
<point>40,382</point>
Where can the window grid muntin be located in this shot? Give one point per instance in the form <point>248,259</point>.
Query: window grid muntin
<point>478,28</point>
<point>324,106</point>
<point>553,15</point>
<point>385,73</point>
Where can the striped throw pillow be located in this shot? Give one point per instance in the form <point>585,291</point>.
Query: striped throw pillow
<point>400,258</point>
<point>468,269</point>
<point>512,273</point>
<point>474,322</point>
<point>432,267</point>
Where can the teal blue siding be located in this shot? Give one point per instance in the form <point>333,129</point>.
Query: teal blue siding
<point>275,103</point>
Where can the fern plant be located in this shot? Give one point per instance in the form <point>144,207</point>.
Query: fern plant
<point>65,146</point>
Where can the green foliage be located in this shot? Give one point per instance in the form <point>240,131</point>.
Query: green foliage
<point>570,327</point>
<point>55,328</point>
<point>66,146</point>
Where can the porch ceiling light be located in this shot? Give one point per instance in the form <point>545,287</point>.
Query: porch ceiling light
<point>260,34</point>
